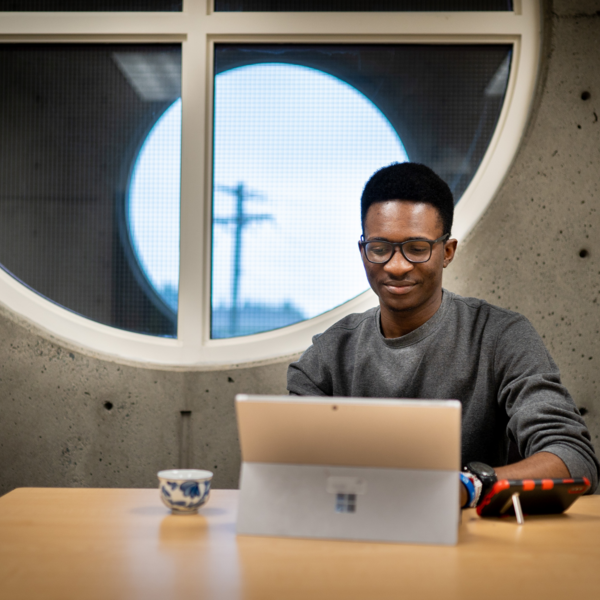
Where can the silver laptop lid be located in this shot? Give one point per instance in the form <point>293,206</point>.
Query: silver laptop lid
<point>357,432</point>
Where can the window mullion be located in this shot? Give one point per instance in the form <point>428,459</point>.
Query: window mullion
<point>194,276</point>
<point>352,24</point>
<point>93,23</point>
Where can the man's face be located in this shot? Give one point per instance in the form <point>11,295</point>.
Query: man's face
<point>400,284</point>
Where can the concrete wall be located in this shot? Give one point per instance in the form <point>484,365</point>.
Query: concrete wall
<point>72,419</point>
<point>537,248</point>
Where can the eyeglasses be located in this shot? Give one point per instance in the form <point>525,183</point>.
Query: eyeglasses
<point>414,251</point>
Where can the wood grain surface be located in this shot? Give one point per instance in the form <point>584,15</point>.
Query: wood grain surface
<point>123,543</point>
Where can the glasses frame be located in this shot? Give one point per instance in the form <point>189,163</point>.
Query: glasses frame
<point>362,243</point>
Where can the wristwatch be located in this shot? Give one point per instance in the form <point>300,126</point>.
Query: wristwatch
<point>485,474</point>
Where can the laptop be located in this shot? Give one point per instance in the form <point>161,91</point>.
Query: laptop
<point>349,468</point>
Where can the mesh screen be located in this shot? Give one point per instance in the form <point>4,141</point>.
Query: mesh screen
<point>361,5</point>
<point>298,131</point>
<point>74,119</point>
<point>91,5</point>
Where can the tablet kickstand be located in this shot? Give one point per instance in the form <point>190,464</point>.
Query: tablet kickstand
<point>516,503</point>
<point>517,506</point>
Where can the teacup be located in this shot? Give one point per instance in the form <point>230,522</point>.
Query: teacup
<point>184,491</point>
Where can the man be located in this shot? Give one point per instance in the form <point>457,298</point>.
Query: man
<point>426,342</point>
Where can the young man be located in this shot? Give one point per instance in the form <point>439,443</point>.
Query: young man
<point>426,342</point>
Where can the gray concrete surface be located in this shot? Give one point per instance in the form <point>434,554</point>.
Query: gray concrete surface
<point>71,419</point>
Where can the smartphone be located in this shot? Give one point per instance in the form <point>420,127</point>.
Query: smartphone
<point>537,496</point>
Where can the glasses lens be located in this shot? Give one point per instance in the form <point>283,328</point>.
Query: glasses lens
<point>417,251</point>
<point>378,252</point>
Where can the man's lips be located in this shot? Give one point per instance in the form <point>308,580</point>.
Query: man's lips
<point>399,287</point>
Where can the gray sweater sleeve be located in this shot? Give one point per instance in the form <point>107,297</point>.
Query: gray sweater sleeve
<point>310,376</point>
<point>541,414</point>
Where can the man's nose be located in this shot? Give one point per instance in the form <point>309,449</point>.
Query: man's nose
<point>398,265</point>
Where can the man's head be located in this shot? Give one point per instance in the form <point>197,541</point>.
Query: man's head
<point>406,203</point>
<point>409,181</point>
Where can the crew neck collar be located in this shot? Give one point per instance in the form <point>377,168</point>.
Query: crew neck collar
<point>419,333</point>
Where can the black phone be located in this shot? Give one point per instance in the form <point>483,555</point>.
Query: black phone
<point>537,496</point>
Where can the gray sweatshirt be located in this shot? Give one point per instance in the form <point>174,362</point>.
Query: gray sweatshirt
<point>489,358</point>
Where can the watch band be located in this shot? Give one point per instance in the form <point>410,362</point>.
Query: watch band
<point>477,487</point>
<point>470,486</point>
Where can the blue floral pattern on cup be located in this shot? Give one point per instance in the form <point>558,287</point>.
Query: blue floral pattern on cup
<point>190,489</point>
<point>184,490</point>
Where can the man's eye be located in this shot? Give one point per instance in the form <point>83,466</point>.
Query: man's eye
<point>417,248</point>
<point>379,250</point>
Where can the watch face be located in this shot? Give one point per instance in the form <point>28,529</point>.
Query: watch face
<point>481,469</point>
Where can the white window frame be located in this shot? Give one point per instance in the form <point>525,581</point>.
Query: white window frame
<point>198,28</point>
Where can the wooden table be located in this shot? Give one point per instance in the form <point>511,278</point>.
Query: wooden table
<point>116,543</point>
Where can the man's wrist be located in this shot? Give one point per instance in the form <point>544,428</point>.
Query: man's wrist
<point>485,475</point>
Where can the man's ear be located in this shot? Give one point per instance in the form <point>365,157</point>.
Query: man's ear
<point>449,251</point>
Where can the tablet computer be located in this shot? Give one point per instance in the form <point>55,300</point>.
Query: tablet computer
<point>350,468</point>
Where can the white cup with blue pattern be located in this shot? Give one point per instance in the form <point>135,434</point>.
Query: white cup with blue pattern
<point>184,491</point>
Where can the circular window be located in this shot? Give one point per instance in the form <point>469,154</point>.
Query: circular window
<point>97,262</point>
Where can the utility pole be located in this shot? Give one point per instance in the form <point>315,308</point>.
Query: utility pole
<point>240,219</point>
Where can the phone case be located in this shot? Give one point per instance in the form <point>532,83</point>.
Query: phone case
<point>537,496</point>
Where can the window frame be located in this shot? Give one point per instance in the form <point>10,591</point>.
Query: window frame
<point>198,28</point>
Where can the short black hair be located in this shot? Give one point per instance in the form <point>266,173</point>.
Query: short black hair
<point>409,181</point>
